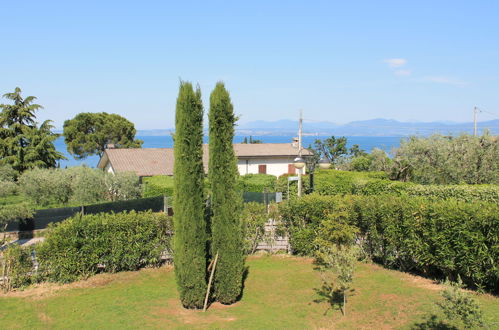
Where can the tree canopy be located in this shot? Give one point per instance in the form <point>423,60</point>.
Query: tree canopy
<point>24,144</point>
<point>89,133</point>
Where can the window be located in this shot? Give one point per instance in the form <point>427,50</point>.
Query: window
<point>262,169</point>
<point>291,169</point>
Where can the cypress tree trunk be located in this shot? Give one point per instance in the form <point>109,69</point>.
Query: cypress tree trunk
<point>226,226</point>
<point>188,203</point>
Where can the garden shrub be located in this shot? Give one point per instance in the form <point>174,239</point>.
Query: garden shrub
<point>332,182</point>
<point>254,216</point>
<point>18,266</point>
<point>87,185</point>
<point>257,183</point>
<point>84,245</point>
<point>443,238</point>
<point>7,173</point>
<point>160,185</point>
<point>8,188</point>
<point>122,186</point>
<point>46,186</point>
<point>12,213</point>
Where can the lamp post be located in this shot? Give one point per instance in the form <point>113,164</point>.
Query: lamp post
<point>299,163</point>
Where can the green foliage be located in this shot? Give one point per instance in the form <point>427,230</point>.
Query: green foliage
<point>254,217</point>
<point>251,140</point>
<point>282,185</point>
<point>8,188</point>
<point>13,213</point>
<point>257,182</point>
<point>160,185</point>
<point>443,238</point>
<point>109,242</point>
<point>332,148</point>
<point>122,186</point>
<point>24,144</point>
<point>89,133</point>
<point>337,265</point>
<point>226,202</point>
<point>448,160</point>
<point>458,305</point>
<point>77,186</point>
<point>7,173</point>
<point>18,267</point>
<point>188,202</point>
<point>87,185</point>
<point>46,186</point>
<point>332,182</point>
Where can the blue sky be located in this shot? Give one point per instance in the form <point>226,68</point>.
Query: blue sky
<point>337,60</point>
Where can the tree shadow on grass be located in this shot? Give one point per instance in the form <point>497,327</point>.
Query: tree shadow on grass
<point>333,297</point>
<point>245,276</point>
<point>433,323</point>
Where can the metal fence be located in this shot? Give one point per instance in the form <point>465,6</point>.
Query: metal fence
<point>42,218</point>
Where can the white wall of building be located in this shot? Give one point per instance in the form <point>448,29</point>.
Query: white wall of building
<point>275,166</point>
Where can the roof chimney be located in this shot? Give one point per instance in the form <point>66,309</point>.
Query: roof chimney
<point>295,142</point>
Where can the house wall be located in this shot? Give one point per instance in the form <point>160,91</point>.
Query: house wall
<point>275,166</point>
<point>108,168</point>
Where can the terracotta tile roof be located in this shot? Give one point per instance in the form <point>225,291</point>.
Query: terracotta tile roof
<point>159,161</point>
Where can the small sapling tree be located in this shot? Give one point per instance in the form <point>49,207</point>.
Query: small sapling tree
<point>459,306</point>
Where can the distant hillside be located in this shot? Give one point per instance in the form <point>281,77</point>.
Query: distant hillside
<point>373,127</point>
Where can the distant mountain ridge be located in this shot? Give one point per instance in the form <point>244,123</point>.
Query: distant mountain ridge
<point>371,127</point>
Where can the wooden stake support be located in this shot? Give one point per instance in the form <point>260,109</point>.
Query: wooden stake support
<point>209,283</point>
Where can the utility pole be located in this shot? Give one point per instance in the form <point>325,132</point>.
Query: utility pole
<point>300,132</point>
<point>475,112</point>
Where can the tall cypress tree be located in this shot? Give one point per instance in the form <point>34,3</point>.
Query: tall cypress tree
<point>226,225</point>
<point>189,222</point>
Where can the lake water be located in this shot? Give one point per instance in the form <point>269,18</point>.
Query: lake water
<point>366,143</point>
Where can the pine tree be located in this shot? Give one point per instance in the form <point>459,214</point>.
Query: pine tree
<point>226,204</point>
<point>190,226</point>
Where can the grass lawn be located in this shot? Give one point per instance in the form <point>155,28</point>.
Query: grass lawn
<point>279,293</point>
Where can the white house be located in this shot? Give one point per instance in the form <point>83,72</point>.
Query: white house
<point>267,158</point>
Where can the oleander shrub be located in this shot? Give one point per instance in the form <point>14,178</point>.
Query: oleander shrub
<point>441,238</point>
<point>107,242</point>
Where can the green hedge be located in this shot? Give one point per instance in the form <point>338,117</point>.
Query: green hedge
<point>257,183</point>
<point>83,246</point>
<point>332,182</point>
<point>161,185</point>
<point>154,204</point>
<point>442,238</point>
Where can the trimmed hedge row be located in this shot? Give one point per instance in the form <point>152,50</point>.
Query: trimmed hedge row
<point>332,182</point>
<point>85,245</point>
<point>257,183</point>
<point>442,238</point>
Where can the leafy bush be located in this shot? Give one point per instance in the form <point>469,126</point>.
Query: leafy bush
<point>18,266</point>
<point>8,188</point>
<point>78,186</point>
<point>332,182</point>
<point>460,306</point>
<point>12,213</point>
<point>7,173</point>
<point>46,186</point>
<point>254,217</point>
<point>122,186</point>
<point>442,159</point>
<point>83,246</point>
<point>443,238</point>
<point>87,185</point>
<point>257,182</point>
<point>160,185</point>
